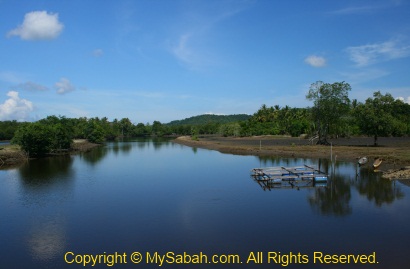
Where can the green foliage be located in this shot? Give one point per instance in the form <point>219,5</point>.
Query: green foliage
<point>61,131</point>
<point>230,129</point>
<point>194,134</point>
<point>79,127</point>
<point>34,138</point>
<point>140,130</point>
<point>126,127</point>
<point>7,129</point>
<point>156,128</point>
<point>95,132</point>
<point>110,129</point>
<point>62,138</point>
<point>210,118</point>
<point>332,115</point>
<point>382,116</point>
<point>42,137</point>
<point>278,121</point>
<point>331,103</point>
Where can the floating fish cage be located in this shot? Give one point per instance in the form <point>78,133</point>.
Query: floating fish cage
<point>299,176</point>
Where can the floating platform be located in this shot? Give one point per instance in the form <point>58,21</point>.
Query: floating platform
<point>299,176</point>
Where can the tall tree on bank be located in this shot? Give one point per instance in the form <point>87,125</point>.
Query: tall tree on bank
<point>331,102</point>
<point>376,116</point>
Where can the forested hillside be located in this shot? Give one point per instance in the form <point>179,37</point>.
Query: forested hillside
<point>210,118</point>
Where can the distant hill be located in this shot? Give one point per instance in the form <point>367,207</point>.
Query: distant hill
<point>210,118</point>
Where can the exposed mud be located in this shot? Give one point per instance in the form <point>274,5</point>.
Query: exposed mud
<point>393,150</point>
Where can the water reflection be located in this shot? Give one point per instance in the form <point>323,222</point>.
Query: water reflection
<point>158,142</point>
<point>334,199</point>
<point>196,199</point>
<point>323,165</point>
<point>405,182</point>
<point>377,189</point>
<point>44,188</point>
<point>121,147</point>
<point>41,172</point>
<point>124,148</point>
<point>95,156</point>
<point>47,239</point>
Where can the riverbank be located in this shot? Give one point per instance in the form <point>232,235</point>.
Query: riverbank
<point>393,150</point>
<point>12,155</point>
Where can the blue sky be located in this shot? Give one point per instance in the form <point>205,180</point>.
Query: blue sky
<point>172,59</point>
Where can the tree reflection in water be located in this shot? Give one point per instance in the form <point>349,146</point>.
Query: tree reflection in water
<point>333,200</point>
<point>43,170</point>
<point>94,156</point>
<point>377,189</point>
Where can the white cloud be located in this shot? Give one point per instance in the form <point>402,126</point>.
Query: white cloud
<point>150,94</point>
<point>15,108</point>
<point>98,52</point>
<point>405,100</point>
<point>38,25</point>
<point>356,10</point>
<point>11,77</point>
<point>64,86</point>
<point>315,61</point>
<point>352,10</point>
<point>182,51</point>
<point>29,86</point>
<point>364,75</point>
<point>373,53</point>
<point>214,113</point>
<point>191,45</point>
<point>188,50</point>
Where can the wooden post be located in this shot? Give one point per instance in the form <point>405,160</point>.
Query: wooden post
<point>331,161</point>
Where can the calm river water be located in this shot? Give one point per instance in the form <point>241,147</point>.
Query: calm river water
<point>158,198</point>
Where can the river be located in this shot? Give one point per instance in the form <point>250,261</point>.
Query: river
<point>154,197</point>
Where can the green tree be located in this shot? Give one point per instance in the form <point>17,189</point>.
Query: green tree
<point>95,132</point>
<point>36,139</point>
<point>62,137</point>
<point>378,116</point>
<point>7,129</point>
<point>80,127</point>
<point>230,129</point>
<point>126,127</point>
<point>140,130</point>
<point>157,128</point>
<point>61,131</point>
<point>331,102</point>
<point>109,129</point>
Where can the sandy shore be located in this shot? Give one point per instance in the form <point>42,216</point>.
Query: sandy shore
<point>393,150</point>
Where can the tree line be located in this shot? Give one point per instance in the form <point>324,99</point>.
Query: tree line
<point>332,114</point>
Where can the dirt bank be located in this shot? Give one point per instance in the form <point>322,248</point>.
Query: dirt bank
<point>393,150</point>
<point>402,173</point>
<point>82,145</point>
<point>11,155</point>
